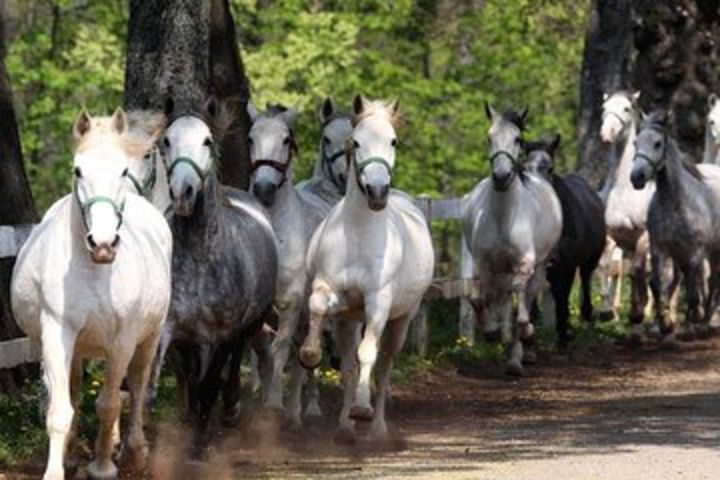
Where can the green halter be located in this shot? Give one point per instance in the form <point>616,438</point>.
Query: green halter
<point>85,207</point>
<point>147,184</point>
<point>504,153</point>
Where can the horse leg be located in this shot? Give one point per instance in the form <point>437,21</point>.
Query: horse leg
<point>312,409</point>
<point>692,273</point>
<point>57,351</point>
<point>231,388</point>
<point>377,310</point>
<point>610,273</point>
<point>639,294</point>
<point>163,344</point>
<point>522,328</point>
<point>323,302</point>
<point>346,339</point>
<point>289,318</point>
<point>138,374</point>
<point>207,393</point>
<point>298,377</point>
<point>586,304</point>
<point>392,343</point>
<point>656,281</point>
<point>561,283</point>
<point>107,408</point>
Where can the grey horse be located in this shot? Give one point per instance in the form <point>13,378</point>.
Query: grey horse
<point>684,214</point>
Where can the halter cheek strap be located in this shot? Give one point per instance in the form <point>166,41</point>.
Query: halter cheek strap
<point>327,161</point>
<point>504,153</point>
<point>146,185</point>
<point>622,121</point>
<point>277,165</point>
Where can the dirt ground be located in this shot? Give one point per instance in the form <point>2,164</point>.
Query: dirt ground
<point>615,413</point>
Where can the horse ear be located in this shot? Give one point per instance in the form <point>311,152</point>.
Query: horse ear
<point>327,110</point>
<point>119,121</point>
<point>712,100</point>
<point>290,115</point>
<point>635,96</point>
<point>524,113</point>
<point>555,143</point>
<point>82,125</point>
<point>251,110</point>
<point>169,107</point>
<point>212,107</point>
<point>358,104</point>
<point>394,107</point>
<point>489,111</point>
<point>605,96</point>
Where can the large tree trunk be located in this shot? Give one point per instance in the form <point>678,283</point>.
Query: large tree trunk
<point>677,62</point>
<point>16,204</point>
<point>228,81</point>
<point>168,42</point>
<point>605,68</point>
<point>188,49</point>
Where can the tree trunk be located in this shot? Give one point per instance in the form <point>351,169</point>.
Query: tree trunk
<point>228,81</point>
<point>605,68</point>
<point>16,204</point>
<point>188,49</point>
<point>168,42</point>
<point>677,62</point>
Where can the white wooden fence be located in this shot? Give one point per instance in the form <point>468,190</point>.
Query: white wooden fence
<point>20,350</point>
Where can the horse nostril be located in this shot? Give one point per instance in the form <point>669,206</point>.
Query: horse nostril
<point>189,192</point>
<point>91,242</point>
<point>115,241</point>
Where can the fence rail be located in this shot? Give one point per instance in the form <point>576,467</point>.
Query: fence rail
<point>21,350</point>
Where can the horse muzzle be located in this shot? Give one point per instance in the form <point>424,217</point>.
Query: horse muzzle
<point>377,196</point>
<point>501,181</point>
<point>184,202</point>
<point>638,178</point>
<point>265,192</point>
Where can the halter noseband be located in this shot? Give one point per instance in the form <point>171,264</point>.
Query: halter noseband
<point>277,165</point>
<point>610,113</point>
<point>517,165</point>
<point>188,161</point>
<point>656,165</point>
<point>85,207</point>
<point>361,166</point>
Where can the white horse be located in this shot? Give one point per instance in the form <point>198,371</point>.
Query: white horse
<point>625,207</point>
<point>370,261</point>
<point>712,131</point>
<point>93,280</point>
<point>511,223</point>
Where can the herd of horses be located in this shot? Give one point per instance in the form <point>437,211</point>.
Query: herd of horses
<point>150,255</point>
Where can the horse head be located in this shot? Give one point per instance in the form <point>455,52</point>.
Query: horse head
<point>505,145</point>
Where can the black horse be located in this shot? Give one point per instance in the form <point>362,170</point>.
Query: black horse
<point>583,235</point>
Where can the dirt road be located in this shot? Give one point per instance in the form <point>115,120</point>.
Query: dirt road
<point>614,414</point>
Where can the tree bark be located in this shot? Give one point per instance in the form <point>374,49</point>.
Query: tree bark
<point>16,204</point>
<point>677,62</point>
<point>228,82</point>
<point>605,68</point>
<point>168,43</point>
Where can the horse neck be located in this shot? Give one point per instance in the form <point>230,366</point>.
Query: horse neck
<point>710,155</point>
<point>203,225</point>
<point>674,182</point>
<point>284,197</point>
<point>504,204</point>
<point>622,159</point>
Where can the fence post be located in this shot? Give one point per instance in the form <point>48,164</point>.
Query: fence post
<point>420,329</point>
<point>468,319</point>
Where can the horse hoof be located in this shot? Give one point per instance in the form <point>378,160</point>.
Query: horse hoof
<point>515,369</point>
<point>344,436</point>
<point>606,316</point>
<point>526,330</point>
<point>360,413</point>
<point>137,458</point>
<point>109,473</point>
<point>310,358</point>
<point>231,416</point>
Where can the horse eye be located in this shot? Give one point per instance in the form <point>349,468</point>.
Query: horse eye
<point>394,142</point>
<point>658,145</point>
<point>356,144</point>
<point>78,172</point>
<point>286,140</point>
<point>208,142</point>
<point>627,109</point>
<point>326,140</point>
<point>250,140</point>
<point>166,142</point>
<point>125,172</point>
<point>712,122</point>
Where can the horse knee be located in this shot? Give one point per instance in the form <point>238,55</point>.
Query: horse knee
<point>59,418</point>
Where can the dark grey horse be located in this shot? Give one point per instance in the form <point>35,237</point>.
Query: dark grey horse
<point>224,264</point>
<point>684,214</point>
<point>583,234</point>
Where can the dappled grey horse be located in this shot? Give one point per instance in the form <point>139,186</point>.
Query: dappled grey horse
<point>224,262</point>
<point>583,234</point>
<point>511,223</point>
<point>711,153</point>
<point>684,214</point>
